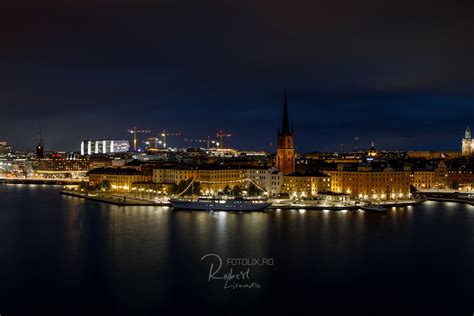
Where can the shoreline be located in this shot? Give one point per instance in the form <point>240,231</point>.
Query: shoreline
<point>130,201</point>
<point>118,200</point>
<point>115,200</point>
<point>40,181</point>
<point>463,201</point>
<point>351,207</point>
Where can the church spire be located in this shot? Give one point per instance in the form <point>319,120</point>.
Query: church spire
<point>285,159</point>
<point>468,133</point>
<point>285,128</point>
<point>40,135</point>
<point>40,146</point>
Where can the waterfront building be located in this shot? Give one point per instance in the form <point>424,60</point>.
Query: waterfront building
<point>106,146</point>
<point>467,143</point>
<point>305,185</point>
<point>215,178</point>
<point>285,160</point>
<point>149,189</point>
<point>462,180</point>
<point>268,178</point>
<point>62,165</point>
<point>424,179</point>
<point>334,197</point>
<point>461,175</point>
<point>168,174</point>
<point>120,179</point>
<point>432,174</point>
<point>441,175</point>
<point>371,180</point>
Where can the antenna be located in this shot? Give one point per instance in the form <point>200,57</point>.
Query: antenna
<point>356,139</point>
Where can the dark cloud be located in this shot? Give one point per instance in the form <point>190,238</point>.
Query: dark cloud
<point>399,72</point>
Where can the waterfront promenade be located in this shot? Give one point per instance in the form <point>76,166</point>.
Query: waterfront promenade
<point>124,200</point>
<point>127,200</point>
<point>115,199</point>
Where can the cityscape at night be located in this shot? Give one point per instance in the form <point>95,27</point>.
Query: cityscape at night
<point>237,157</point>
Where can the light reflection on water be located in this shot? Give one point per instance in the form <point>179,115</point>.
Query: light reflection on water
<point>147,257</point>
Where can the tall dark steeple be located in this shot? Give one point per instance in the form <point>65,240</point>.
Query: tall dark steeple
<point>40,146</point>
<point>285,160</point>
<point>40,135</point>
<point>285,127</point>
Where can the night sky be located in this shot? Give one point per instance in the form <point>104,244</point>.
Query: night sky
<point>400,73</point>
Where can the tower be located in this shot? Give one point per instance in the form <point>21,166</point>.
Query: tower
<point>467,144</point>
<point>285,160</point>
<point>372,151</point>
<point>40,146</point>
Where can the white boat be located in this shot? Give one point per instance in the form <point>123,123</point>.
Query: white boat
<point>236,204</point>
<point>374,208</point>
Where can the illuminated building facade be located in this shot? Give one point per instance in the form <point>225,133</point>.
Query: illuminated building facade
<point>269,179</point>
<point>120,179</point>
<point>298,185</point>
<point>434,154</point>
<point>461,175</point>
<point>62,163</point>
<point>215,178</point>
<point>430,178</point>
<point>107,146</point>
<point>462,180</point>
<point>285,160</point>
<point>423,179</point>
<point>371,181</point>
<point>467,143</point>
<point>441,175</point>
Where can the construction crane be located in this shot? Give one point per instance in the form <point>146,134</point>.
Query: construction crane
<point>155,140</point>
<point>135,131</point>
<point>165,134</point>
<point>221,135</point>
<point>208,141</point>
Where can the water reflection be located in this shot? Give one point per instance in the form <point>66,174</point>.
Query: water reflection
<point>144,257</point>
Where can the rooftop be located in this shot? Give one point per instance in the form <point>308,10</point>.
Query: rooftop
<point>116,171</point>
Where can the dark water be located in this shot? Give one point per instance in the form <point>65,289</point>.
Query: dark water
<point>63,255</point>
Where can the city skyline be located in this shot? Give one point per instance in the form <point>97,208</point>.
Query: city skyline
<point>231,157</point>
<point>398,73</point>
<point>183,141</point>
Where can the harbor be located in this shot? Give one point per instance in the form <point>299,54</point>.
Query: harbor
<point>127,200</point>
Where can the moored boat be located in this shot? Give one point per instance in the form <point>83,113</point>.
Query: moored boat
<point>374,208</point>
<point>236,204</point>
